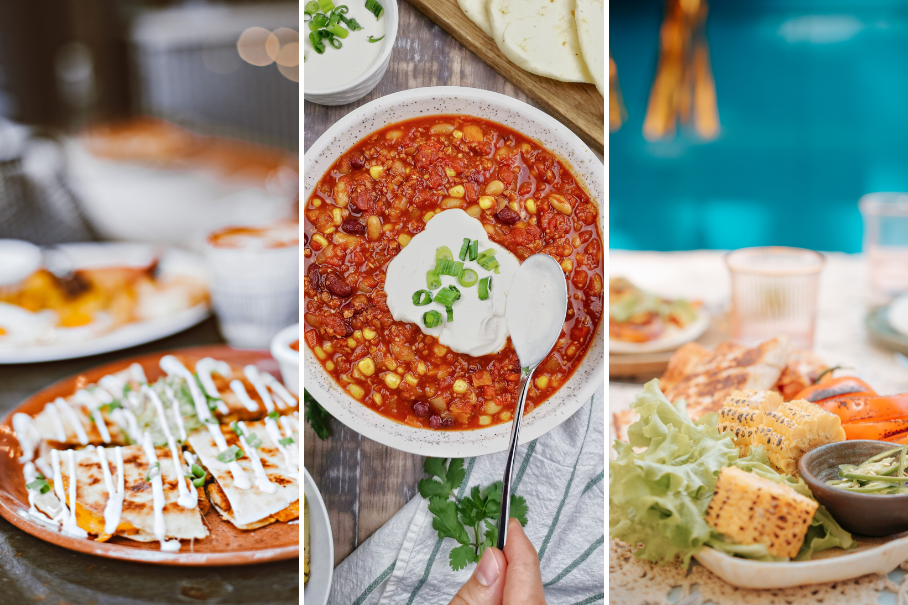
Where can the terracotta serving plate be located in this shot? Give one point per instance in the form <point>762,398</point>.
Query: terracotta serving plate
<point>226,545</point>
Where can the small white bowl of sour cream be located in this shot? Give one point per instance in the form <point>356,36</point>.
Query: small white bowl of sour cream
<point>343,75</point>
<point>288,357</point>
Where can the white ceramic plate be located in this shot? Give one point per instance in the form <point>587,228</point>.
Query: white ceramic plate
<point>668,342</point>
<point>105,254</point>
<point>321,544</point>
<point>531,122</point>
<point>897,314</point>
<point>881,558</point>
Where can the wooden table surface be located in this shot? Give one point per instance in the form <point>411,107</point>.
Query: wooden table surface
<point>363,482</point>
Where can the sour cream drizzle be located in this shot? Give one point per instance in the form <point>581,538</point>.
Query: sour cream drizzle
<point>138,373</point>
<point>28,435</point>
<point>186,498</point>
<point>204,367</point>
<point>113,510</point>
<point>67,515</point>
<point>252,374</point>
<point>55,420</point>
<point>73,418</point>
<point>284,398</point>
<point>172,366</point>
<point>88,400</point>
<point>275,433</point>
<point>261,478</point>
<point>177,412</point>
<point>157,491</point>
<point>239,389</point>
<point>30,475</point>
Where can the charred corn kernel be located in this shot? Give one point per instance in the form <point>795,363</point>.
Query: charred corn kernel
<point>428,216</point>
<point>742,414</point>
<point>392,380</point>
<point>439,350</point>
<point>358,335</point>
<point>356,391</point>
<point>456,191</point>
<point>458,134</point>
<point>351,342</point>
<point>391,363</point>
<point>505,416</point>
<point>530,206</point>
<point>368,333</point>
<point>377,398</point>
<point>366,366</point>
<point>486,202</point>
<point>485,420</point>
<point>337,216</point>
<point>421,369</point>
<point>411,379</point>
<point>795,428</point>
<point>320,353</point>
<point>460,386</point>
<point>567,265</point>
<point>449,171</point>
<point>403,239</point>
<point>752,510</point>
<point>542,382</point>
<point>319,239</point>
<point>329,365</point>
<point>376,171</point>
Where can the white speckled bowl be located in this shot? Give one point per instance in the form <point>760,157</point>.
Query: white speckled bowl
<point>551,134</point>
<point>363,85</point>
<point>321,546</point>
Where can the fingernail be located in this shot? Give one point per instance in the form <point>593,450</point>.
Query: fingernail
<point>487,571</point>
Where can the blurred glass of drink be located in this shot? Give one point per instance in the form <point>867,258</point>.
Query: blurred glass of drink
<point>886,242</point>
<point>773,292</point>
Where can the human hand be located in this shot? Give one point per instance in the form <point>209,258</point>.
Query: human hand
<point>508,578</point>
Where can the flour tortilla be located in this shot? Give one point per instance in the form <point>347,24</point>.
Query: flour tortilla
<point>477,11</point>
<point>249,507</point>
<point>138,504</point>
<point>590,18</point>
<point>539,36</point>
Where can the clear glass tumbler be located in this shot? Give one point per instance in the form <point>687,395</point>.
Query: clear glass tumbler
<point>774,291</point>
<point>886,241</point>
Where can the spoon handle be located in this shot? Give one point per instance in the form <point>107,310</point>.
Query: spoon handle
<point>523,388</point>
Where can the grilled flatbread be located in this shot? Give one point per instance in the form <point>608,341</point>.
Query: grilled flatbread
<point>682,362</point>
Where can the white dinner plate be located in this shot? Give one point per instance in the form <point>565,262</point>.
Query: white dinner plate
<point>172,261</point>
<point>673,338</point>
<point>897,315</point>
<point>321,545</point>
<point>529,121</point>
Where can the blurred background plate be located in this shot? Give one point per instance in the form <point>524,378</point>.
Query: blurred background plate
<point>897,315</point>
<point>669,342</point>
<point>881,333</point>
<point>321,546</point>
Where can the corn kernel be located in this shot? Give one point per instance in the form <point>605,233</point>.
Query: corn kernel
<point>316,203</point>
<point>337,216</point>
<point>542,382</point>
<point>375,172</point>
<point>531,206</point>
<point>428,216</point>
<point>320,353</point>
<point>486,202</point>
<point>366,366</point>
<point>403,239</point>
<point>567,265</point>
<point>377,398</point>
<point>485,420</point>
<point>505,416</point>
<point>439,350</point>
<point>421,368</point>
<point>392,380</point>
<point>449,171</point>
<point>458,134</point>
<point>358,335</point>
<point>329,365</point>
<point>456,191</point>
<point>356,391</point>
<point>460,386</point>
<point>319,239</point>
<point>329,348</point>
<point>514,206</point>
<point>368,333</point>
<point>411,379</point>
<point>351,342</point>
<point>390,363</point>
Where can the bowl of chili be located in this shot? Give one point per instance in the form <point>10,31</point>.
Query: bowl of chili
<point>372,182</point>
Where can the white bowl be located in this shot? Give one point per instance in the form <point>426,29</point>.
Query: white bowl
<point>363,85</point>
<point>288,359</point>
<point>321,546</point>
<point>532,123</point>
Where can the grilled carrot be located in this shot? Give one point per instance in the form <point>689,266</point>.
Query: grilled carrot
<point>846,385</point>
<point>867,408</point>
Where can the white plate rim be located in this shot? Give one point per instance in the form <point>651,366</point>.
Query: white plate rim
<point>317,510</point>
<point>666,343</point>
<point>127,336</point>
<point>897,315</point>
<point>555,137</point>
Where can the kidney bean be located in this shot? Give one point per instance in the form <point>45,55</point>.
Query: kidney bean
<point>507,216</point>
<point>337,286</point>
<point>315,278</point>
<point>353,227</point>
<point>447,422</point>
<point>421,408</point>
<point>357,160</point>
<point>435,421</point>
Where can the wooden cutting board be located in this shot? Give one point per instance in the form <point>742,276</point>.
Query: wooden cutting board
<point>580,107</point>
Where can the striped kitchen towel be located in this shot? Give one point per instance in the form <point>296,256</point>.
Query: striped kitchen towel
<point>561,475</point>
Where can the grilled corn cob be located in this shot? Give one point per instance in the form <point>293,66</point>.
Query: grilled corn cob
<point>794,429</point>
<point>749,509</point>
<point>742,414</point>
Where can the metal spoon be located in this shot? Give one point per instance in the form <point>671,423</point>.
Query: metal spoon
<point>537,304</point>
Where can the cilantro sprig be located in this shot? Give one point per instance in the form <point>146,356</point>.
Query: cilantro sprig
<point>457,518</point>
<point>319,419</point>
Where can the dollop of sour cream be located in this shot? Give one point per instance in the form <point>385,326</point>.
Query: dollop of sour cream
<point>479,326</point>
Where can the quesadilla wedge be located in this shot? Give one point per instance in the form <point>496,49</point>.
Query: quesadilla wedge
<point>266,453</point>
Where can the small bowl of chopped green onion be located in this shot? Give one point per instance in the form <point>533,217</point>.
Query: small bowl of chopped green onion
<point>862,483</point>
<point>346,47</point>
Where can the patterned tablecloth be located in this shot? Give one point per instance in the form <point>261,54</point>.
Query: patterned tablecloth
<point>840,339</point>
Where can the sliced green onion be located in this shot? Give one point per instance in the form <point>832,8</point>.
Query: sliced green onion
<point>468,278</point>
<point>273,415</point>
<point>375,8</point>
<point>373,39</point>
<point>199,482</point>
<point>335,43</point>
<point>286,441</point>
<point>326,5</point>
<point>474,247</point>
<point>197,471</point>
<point>422,297</point>
<point>353,25</point>
<point>431,319</point>
<point>254,440</point>
<point>230,454</point>
<point>235,427</point>
<point>153,471</point>
<point>338,31</point>
<point>333,19</point>
<point>464,249</point>
<point>485,287</point>
<point>433,281</point>
<point>316,42</point>
<point>40,484</point>
<point>450,311</point>
<point>318,21</point>
<point>343,9</point>
<point>447,296</point>
<point>311,7</point>
<point>485,253</point>
<point>448,267</point>
<point>445,253</point>
<point>488,263</point>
